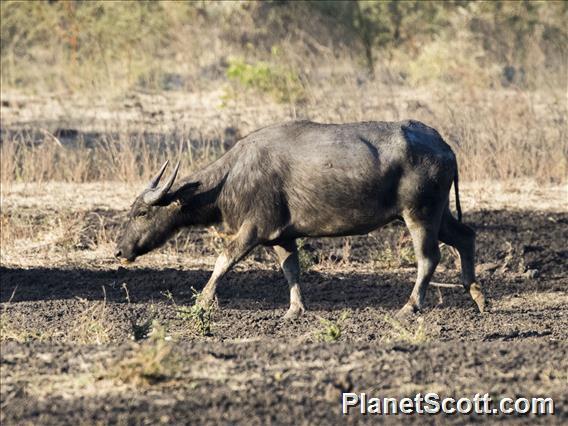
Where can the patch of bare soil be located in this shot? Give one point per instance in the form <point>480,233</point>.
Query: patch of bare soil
<point>88,341</point>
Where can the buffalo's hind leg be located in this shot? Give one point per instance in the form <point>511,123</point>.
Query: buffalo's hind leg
<point>462,237</point>
<point>288,258</point>
<point>424,234</point>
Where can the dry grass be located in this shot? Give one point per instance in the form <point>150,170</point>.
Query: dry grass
<point>41,231</point>
<point>414,333</point>
<point>518,194</point>
<point>88,46</point>
<point>150,362</point>
<point>14,328</point>
<point>92,325</point>
<point>500,135</point>
<point>119,157</point>
<point>399,254</point>
<point>74,223</point>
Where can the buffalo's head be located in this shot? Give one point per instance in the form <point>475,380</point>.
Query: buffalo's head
<point>151,221</point>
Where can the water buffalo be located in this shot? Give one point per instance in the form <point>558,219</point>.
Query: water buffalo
<point>305,179</point>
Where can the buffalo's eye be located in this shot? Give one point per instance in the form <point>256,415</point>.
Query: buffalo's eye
<point>141,213</point>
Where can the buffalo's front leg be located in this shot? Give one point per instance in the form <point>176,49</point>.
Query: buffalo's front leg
<point>244,241</point>
<point>288,258</point>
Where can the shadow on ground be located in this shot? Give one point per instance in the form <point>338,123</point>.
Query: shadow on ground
<point>248,289</point>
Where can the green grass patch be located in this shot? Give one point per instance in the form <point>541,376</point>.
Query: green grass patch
<point>281,83</point>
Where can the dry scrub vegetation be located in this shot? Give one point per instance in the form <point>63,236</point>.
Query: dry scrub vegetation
<point>107,90</point>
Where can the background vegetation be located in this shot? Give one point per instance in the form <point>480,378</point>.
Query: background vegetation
<point>492,76</point>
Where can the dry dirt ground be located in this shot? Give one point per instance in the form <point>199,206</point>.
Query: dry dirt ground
<point>86,341</point>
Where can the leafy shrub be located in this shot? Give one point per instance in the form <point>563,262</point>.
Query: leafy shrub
<point>198,317</point>
<point>282,84</point>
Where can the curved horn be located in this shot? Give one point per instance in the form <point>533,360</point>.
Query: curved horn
<point>153,196</point>
<point>156,179</point>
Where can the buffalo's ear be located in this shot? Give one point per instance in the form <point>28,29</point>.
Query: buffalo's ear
<point>186,191</point>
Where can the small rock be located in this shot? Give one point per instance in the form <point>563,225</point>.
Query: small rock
<point>45,357</point>
<point>531,273</point>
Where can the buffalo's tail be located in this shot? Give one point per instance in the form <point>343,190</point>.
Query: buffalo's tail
<point>457,193</point>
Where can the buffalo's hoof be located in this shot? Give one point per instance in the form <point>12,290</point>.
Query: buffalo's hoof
<point>407,312</point>
<point>295,311</point>
<point>477,295</point>
<point>207,302</point>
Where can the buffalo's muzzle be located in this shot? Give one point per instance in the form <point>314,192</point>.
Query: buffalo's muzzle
<point>123,260</point>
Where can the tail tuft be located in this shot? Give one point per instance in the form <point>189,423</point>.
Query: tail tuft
<point>457,192</point>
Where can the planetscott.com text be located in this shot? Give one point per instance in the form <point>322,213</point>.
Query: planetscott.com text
<point>432,403</point>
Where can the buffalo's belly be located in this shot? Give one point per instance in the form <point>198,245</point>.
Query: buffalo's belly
<point>353,217</point>
<point>340,229</point>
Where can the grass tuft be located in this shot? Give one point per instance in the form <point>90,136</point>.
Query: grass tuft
<point>414,333</point>
<point>332,331</point>
<point>199,318</point>
<point>92,325</point>
<point>152,361</point>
